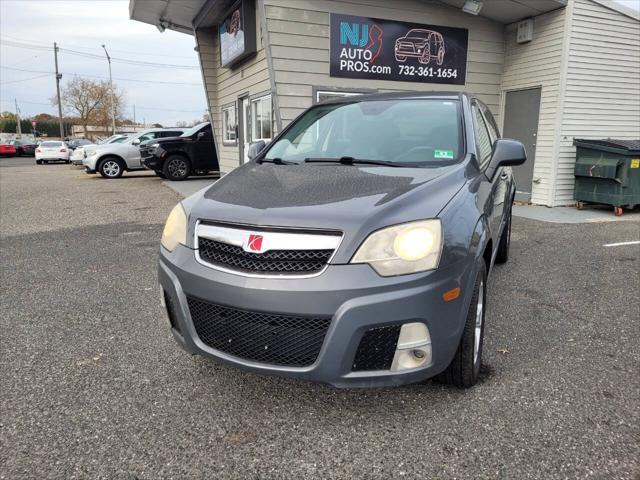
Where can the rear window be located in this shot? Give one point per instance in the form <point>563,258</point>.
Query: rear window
<point>51,144</point>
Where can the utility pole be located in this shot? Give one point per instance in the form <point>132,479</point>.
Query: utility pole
<point>134,114</point>
<point>113,103</point>
<point>18,127</point>
<point>58,78</point>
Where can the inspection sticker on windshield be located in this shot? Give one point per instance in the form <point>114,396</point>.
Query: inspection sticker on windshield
<point>443,154</point>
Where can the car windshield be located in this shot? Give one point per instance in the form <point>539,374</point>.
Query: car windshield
<point>118,140</point>
<point>51,144</point>
<point>407,132</point>
<point>193,130</point>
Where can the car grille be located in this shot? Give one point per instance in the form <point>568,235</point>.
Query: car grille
<point>376,349</point>
<point>293,341</point>
<point>273,261</point>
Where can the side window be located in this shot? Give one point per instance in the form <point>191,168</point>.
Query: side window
<point>483,139</point>
<point>147,136</point>
<point>494,131</point>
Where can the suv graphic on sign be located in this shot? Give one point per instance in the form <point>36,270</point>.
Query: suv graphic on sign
<point>425,45</point>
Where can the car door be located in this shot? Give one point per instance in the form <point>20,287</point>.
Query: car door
<point>132,155</point>
<point>492,191</point>
<point>203,154</point>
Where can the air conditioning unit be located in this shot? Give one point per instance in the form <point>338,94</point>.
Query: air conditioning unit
<point>525,31</point>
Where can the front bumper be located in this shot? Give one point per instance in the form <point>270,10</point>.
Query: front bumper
<point>152,163</point>
<point>90,163</point>
<point>355,298</point>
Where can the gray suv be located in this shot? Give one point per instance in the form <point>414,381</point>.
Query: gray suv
<point>354,249</point>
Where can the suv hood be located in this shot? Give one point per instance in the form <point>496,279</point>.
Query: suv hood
<point>355,200</point>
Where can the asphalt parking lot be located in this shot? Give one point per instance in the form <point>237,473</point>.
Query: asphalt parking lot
<point>93,385</point>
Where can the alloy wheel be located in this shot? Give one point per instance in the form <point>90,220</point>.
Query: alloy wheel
<point>111,168</point>
<point>177,168</point>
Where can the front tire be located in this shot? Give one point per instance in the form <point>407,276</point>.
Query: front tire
<point>464,369</point>
<point>111,168</point>
<point>38,162</point>
<point>176,167</point>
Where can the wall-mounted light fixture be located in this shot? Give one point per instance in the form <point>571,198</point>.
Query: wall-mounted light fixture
<point>472,7</point>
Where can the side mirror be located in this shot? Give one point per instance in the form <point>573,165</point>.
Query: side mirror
<point>506,153</point>
<point>200,136</point>
<point>255,148</point>
<point>136,142</point>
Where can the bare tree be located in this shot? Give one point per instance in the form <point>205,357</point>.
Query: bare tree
<point>104,111</point>
<point>83,98</point>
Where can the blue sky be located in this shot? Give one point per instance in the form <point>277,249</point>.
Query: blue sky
<point>82,26</point>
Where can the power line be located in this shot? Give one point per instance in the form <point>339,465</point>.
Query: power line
<point>102,77</point>
<point>137,107</point>
<point>125,61</point>
<point>84,47</point>
<point>25,79</point>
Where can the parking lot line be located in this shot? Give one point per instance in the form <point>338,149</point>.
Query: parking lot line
<point>620,244</point>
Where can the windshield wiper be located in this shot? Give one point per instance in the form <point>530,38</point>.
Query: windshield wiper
<point>277,161</point>
<point>352,161</point>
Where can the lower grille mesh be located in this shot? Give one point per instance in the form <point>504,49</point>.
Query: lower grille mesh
<point>376,349</point>
<point>257,336</point>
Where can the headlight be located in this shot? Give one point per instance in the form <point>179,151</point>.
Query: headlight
<point>175,229</point>
<point>402,249</point>
<point>90,153</point>
<point>155,145</point>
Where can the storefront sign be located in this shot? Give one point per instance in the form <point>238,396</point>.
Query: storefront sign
<point>237,33</point>
<point>389,50</point>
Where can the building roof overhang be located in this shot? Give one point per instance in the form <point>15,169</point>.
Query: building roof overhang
<point>185,15</point>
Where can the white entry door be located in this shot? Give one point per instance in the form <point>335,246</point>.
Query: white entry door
<point>245,134</point>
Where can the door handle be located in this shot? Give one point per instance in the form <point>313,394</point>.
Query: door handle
<point>504,176</point>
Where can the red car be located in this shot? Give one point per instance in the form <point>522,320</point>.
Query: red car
<point>7,150</point>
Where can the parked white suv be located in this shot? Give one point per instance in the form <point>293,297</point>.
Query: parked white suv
<point>111,160</point>
<point>77,156</point>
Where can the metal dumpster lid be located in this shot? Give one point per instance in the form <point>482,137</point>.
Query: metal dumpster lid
<point>630,146</point>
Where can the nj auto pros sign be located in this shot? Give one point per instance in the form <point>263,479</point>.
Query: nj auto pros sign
<point>388,50</point>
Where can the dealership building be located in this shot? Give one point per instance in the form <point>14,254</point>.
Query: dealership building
<point>550,70</point>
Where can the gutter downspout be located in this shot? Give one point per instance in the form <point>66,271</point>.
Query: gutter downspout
<point>262,12</point>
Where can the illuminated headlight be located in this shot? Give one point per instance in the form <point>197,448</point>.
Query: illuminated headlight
<point>402,249</point>
<point>175,229</point>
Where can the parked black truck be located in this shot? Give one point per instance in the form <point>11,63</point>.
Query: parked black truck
<point>176,158</point>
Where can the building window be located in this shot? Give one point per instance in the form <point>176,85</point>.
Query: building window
<point>229,125</point>
<point>261,118</point>
<point>323,95</point>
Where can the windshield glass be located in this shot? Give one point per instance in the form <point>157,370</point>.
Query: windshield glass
<point>407,132</point>
<point>51,144</point>
<point>193,130</point>
<point>118,140</point>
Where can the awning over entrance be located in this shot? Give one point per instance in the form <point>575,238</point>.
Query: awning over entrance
<point>183,15</point>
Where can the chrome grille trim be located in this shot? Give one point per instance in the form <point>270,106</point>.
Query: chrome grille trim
<point>275,238</point>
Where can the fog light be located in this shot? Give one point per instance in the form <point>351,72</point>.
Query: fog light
<point>414,347</point>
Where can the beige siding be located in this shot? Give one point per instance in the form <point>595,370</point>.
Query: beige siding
<point>224,85</point>
<point>539,64</point>
<point>299,37</point>
<point>602,95</point>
